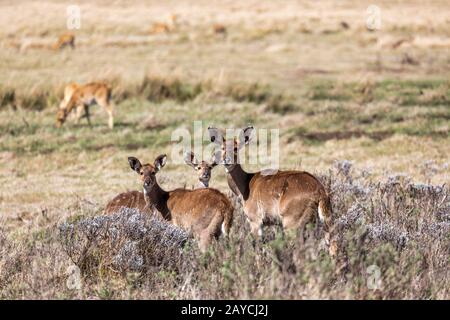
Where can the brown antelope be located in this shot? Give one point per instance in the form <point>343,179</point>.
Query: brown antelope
<point>83,96</point>
<point>64,40</point>
<point>136,199</point>
<point>206,212</point>
<point>203,168</point>
<point>162,27</point>
<point>294,197</point>
<point>219,29</point>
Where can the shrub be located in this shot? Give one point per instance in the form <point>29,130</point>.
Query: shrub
<point>124,241</point>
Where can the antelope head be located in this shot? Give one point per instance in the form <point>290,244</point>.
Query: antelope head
<point>60,117</point>
<point>203,168</point>
<point>147,172</point>
<point>229,152</point>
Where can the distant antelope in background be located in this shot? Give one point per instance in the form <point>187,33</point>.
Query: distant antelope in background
<point>64,40</point>
<point>165,27</point>
<point>294,197</point>
<point>219,29</point>
<point>203,168</point>
<point>80,97</point>
<point>205,212</point>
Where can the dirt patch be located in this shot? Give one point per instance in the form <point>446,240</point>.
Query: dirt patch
<point>319,136</point>
<point>341,135</point>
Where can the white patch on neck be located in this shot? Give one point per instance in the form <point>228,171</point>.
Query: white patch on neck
<point>229,169</point>
<point>145,192</point>
<point>268,172</point>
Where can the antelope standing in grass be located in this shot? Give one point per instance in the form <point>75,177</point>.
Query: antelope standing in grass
<point>165,27</point>
<point>294,197</point>
<point>205,212</point>
<point>203,168</point>
<point>80,97</point>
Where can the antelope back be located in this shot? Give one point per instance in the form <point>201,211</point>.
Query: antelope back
<point>131,199</point>
<point>198,209</point>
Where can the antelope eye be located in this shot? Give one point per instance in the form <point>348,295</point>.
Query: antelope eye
<point>141,173</point>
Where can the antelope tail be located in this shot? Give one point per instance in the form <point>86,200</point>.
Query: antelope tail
<point>227,222</point>
<point>325,211</point>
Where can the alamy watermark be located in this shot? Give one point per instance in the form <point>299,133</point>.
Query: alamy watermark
<point>374,281</point>
<point>73,281</point>
<point>373,17</point>
<point>262,145</point>
<point>73,17</point>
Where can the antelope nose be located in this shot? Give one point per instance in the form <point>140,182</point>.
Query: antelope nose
<point>228,160</point>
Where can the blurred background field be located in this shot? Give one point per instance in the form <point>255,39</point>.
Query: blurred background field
<point>336,90</point>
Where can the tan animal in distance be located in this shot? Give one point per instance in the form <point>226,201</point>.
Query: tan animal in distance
<point>205,212</point>
<point>165,27</point>
<point>219,29</point>
<point>64,40</point>
<point>292,197</point>
<point>159,27</point>
<point>81,97</point>
<point>203,168</point>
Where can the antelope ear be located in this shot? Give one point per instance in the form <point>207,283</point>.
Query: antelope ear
<point>189,158</point>
<point>135,164</point>
<point>245,136</point>
<point>160,162</point>
<point>215,135</point>
<point>215,159</point>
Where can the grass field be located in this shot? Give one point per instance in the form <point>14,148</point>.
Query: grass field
<point>335,90</point>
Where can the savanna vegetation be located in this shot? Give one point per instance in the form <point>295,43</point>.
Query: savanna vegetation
<point>366,111</point>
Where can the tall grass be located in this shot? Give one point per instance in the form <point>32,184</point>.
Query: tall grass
<point>154,88</point>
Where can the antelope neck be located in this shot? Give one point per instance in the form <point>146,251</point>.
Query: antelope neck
<point>241,179</point>
<point>203,184</point>
<point>157,198</point>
